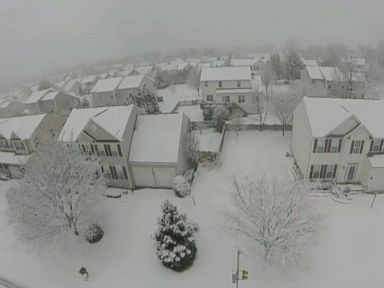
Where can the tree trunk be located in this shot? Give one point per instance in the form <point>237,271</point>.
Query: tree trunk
<point>283,127</point>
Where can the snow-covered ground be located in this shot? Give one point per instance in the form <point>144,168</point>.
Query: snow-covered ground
<point>348,253</point>
<point>194,112</point>
<point>172,94</point>
<point>209,139</point>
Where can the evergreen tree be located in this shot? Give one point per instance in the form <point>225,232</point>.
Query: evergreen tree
<point>146,100</point>
<point>293,65</point>
<point>175,244</point>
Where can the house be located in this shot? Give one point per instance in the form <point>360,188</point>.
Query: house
<point>10,108</point>
<point>129,145</point>
<point>18,137</point>
<point>104,93</point>
<point>158,150</point>
<point>132,84</point>
<point>262,57</point>
<point>89,82</point>
<point>51,101</point>
<point>226,85</point>
<point>70,86</point>
<point>106,133</point>
<point>256,65</point>
<point>340,140</point>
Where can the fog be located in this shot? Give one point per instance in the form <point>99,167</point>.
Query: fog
<point>38,36</point>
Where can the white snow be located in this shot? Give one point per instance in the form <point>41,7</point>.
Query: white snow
<point>314,72</point>
<point>113,119</point>
<point>331,73</point>
<point>50,95</point>
<point>348,252</point>
<point>243,62</point>
<point>131,82</point>
<point>368,112</point>
<point>225,74</point>
<point>181,92</point>
<point>157,138</point>
<point>12,158</point>
<point>106,85</point>
<point>23,127</point>
<point>194,112</point>
<point>209,140</point>
<point>36,96</point>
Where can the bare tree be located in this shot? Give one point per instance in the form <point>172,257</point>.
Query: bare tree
<point>194,79</point>
<point>276,214</point>
<point>283,105</point>
<point>267,77</point>
<point>57,191</point>
<point>261,103</point>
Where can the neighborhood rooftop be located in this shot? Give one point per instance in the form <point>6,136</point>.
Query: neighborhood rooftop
<point>131,81</point>
<point>21,127</point>
<point>157,138</point>
<point>112,119</point>
<point>326,114</point>
<point>226,73</point>
<point>107,85</point>
<point>324,73</point>
<point>36,96</point>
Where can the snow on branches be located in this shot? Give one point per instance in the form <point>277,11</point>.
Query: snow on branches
<point>57,191</point>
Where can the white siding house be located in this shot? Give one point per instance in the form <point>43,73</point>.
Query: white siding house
<point>340,140</point>
<point>224,85</point>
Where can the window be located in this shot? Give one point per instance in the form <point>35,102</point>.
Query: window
<point>315,172</point>
<point>226,99</point>
<point>357,147</point>
<point>18,145</point>
<point>323,171</point>
<point>113,172</point>
<point>327,145</point>
<point>107,149</point>
<point>125,173</point>
<point>238,84</point>
<point>210,98</point>
<point>220,84</point>
<point>331,171</point>
<point>376,146</point>
<point>241,99</point>
<point>206,84</point>
<point>119,150</point>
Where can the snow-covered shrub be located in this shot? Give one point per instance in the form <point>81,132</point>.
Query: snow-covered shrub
<point>181,186</point>
<point>93,233</point>
<point>175,244</point>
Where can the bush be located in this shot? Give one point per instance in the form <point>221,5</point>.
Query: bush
<point>175,244</point>
<point>94,233</point>
<point>181,186</point>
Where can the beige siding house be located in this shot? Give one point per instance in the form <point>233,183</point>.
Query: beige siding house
<point>340,140</point>
<point>18,136</point>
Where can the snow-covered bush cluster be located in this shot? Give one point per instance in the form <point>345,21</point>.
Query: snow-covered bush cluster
<point>175,244</point>
<point>181,186</point>
<point>93,233</point>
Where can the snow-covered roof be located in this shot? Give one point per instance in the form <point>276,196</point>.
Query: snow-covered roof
<point>326,114</point>
<point>143,69</point>
<point>377,161</point>
<point>331,73</point>
<point>113,119</point>
<point>5,104</point>
<point>225,73</point>
<point>90,78</point>
<point>36,96</point>
<point>157,138</point>
<point>314,72</point>
<point>107,85</point>
<point>22,127</point>
<point>131,82</point>
<point>50,95</point>
<point>13,159</point>
<point>243,62</point>
<point>265,57</point>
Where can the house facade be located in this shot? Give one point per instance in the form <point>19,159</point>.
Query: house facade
<point>340,140</point>
<point>225,85</point>
<point>104,93</point>
<point>132,84</point>
<point>11,108</point>
<point>18,136</point>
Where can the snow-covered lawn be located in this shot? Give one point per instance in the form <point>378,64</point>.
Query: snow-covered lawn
<point>349,252</point>
<point>172,94</point>
<point>194,112</point>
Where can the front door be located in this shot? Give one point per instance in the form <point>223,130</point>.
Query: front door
<point>350,173</point>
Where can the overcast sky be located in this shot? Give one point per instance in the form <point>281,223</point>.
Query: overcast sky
<point>39,35</point>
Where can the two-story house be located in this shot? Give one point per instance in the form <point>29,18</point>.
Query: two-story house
<point>340,140</point>
<point>18,136</point>
<point>132,84</point>
<point>132,149</point>
<point>256,65</point>
<point>104,93</point>
<point>225,85</point>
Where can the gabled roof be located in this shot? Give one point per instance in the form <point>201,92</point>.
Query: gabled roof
<point>157,138</point>
<point>50,95</point>
<point>314,73</point>
<point>23,127</point>
<point>107,85</point>
<point>331,73</point>
<point>144,69</point>
<point>112,119</point>
<point>326,114</point>
<point>225,73</point>
<point>36,96</point>
<point>131,82</point>
<point>90,78</point>
<point>243,62</point>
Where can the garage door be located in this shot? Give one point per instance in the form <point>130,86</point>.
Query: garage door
<point>164,176</point>
<point>143,176</point>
